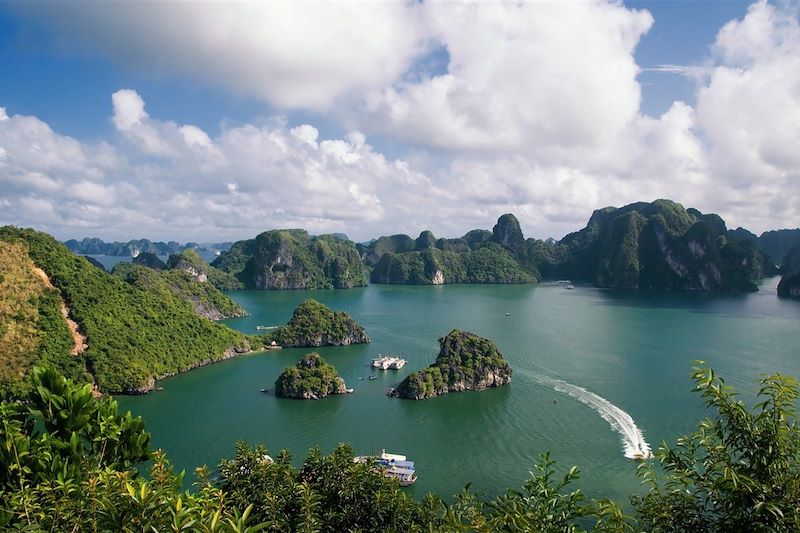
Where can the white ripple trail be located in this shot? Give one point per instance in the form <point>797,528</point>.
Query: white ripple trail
<point>634,444</point>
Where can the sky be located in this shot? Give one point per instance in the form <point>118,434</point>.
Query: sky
<point>210,122</point>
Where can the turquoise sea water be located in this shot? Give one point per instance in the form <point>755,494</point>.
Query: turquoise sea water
<point>633,350</point>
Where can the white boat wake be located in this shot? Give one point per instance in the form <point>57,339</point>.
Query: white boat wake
<point>633,440</point>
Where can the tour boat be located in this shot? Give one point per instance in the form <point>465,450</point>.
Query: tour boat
<point>386,362</point>
<point>393,466</point>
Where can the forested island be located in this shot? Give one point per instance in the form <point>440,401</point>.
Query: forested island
<point>292,259</point>
<point>311,378</point>
<point>465,362</point>
<point>314,324</point>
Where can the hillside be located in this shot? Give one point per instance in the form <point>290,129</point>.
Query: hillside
<point>291,259</point>
<point>479,256</point>
<point>655,246</point>
<point>206,300</point>
<point>465,362</point>
<point>133,335</point>
<point>790,280</point>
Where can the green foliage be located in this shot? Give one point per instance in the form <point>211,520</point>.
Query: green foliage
<point>189,261</point>
<point>328,493</point>
<point>490,263</point>
<point>314,324</point>
<point>134,335</point>
<point>206,300</point>
<point>740,471</point>
<point>311,378</point>
<point>68,462</point>
<point>465,362</point>
<point>291,259</point>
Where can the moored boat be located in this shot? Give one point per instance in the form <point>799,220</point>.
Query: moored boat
<point>393,466</point>
<point>386,362</point>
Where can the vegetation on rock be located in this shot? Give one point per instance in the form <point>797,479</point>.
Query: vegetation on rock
<point>315,324</point>
<point>653,246</point>
<point>189,261</point>
<point>206,300</point>
<point>291,259</point>
<point>134,335</point>
<point>478,257</point>
<point>310,379</point>
<point>790,280</point>
<point>465,362</point>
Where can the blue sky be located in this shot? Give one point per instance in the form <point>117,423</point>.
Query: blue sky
<point>433,119</point>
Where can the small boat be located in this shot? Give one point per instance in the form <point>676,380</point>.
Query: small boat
<point>570,287</point>
<point>563,282</point>
<point>264,390</point>
<point>373,377</point>
<point>508,314</point>
<point>360,379</point>
<point>348,391</point>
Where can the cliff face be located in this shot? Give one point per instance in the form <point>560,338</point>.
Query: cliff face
<point>478,257</point>
<point>465,362</point>
<point>310,379</point>
<point>790,282</point>
<point>656,246</point>
<point>314,324</point>
<point>290,259</point>
<point>778,243</point>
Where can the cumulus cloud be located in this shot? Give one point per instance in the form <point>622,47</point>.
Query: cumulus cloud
<point>293,54</point>
<point>536,112</point>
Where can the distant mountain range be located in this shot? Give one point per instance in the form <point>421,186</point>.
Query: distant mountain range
<point>132,248</point>
<point>647,246</point>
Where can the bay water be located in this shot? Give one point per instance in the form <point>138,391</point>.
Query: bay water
<point>632,351</point>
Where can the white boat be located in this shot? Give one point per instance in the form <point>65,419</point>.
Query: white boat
<point>392,465</point>
<point>385,362</point>
<point>570,287</point>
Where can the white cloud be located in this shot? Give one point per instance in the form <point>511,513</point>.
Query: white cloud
<point>537,76</point>
<point>293,54</point>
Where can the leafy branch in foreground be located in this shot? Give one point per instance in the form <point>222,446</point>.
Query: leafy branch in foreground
<point>740,471</point>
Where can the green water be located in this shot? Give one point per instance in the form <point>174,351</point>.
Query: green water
<point>634,350</point>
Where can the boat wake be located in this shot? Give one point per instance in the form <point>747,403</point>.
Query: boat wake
<point>634,444</point>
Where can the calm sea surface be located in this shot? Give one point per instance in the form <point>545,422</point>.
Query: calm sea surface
<point>633,350</point>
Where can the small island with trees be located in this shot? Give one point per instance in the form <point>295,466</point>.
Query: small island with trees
<point>465,362</point>
<point>314,324</point>
<point>310,379</point>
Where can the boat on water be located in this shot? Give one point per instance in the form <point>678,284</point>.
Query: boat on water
<point>570,287</point>
<point>373,377</point>
<point>386,362</point>
<point>392,465</point>
<point>563,282</point>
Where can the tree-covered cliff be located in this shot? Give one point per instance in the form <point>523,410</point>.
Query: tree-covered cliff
<point>465,362</point>
<point>311,378</point>
<point>291,259</point>
<point>654,246</point>
<point>479,256</point>
<point>132,334</point>
<point>314,324</point>
<point>790,271</point>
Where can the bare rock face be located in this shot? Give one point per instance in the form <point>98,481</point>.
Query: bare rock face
<point>465,362</point>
